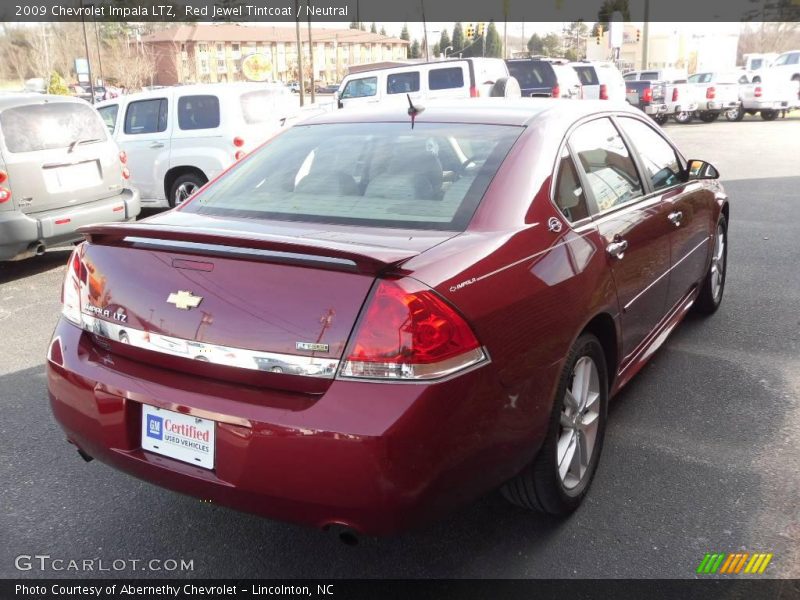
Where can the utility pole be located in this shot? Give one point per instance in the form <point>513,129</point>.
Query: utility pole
<point>311,55</point>
<point>88,59</point>
<point>99,57</point>
<point>425,29</point>
<point>299,52</point>
<point>645,33</point>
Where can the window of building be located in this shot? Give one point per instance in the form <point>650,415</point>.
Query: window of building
<point>221,68</point>
<point>202,48</point>
<point>198,112</point>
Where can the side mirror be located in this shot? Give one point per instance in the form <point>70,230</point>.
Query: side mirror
<point>700,169</point>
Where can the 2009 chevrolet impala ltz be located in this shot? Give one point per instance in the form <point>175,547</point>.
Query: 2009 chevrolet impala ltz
<point>377,316</point>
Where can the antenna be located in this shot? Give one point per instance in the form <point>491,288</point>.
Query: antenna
<point>413,111</point>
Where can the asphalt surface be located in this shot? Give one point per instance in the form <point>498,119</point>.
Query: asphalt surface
<point>702,451</point>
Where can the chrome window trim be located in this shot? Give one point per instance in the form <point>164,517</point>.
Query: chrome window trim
<point>239,358</point>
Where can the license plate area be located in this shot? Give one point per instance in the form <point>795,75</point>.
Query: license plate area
<point>68,178</point>
<point>185,438</point>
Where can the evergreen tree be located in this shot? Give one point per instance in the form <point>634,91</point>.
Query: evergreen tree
<point>494,45</point>
<point>436,50</point>
<point>404,35</point>
<point>458,38</point>
<point>362,27</point>
<point>383,30</point>
<point>415,50</point>
<point>536,44</point>
<point>353,25</point>
<point>444,41</point>
<point>373,28</point>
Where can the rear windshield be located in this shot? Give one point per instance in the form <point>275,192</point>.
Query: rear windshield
<point>259,106</point>
<point>531,74</point>
<point>52,125</point>
<point>587,75</point>
<point>370,174</point>
<point>701,78</point>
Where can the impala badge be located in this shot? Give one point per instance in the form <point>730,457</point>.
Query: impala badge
<point>184,300</point>
<point>554,225</point>
<point>309,347</point>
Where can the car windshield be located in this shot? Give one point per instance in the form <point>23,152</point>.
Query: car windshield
<point>531,74</point>
<point>370,174</point>
<point>53,125</point>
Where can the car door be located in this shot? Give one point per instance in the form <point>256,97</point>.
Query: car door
<point>689,205</point>
<point>145,137</point>
<point>359,91</point>
<point>632,224</point>
<point>448,81</point>
<point>400,84</point>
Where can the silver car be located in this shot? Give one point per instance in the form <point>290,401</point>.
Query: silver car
<point>59,170</point>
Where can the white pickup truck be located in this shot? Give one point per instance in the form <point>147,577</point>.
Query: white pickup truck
<point>715,94</point>
<point>769,94</point>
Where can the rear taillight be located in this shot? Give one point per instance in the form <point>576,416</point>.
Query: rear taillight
<point>647,95</point>
<point>675,94</point>
<point>240,154</point>
<point>556,93</point>
<point>711,93</point>
<point>71,289</point>
<point>757,91</point>
<point>238,142</point>
<point>603,91</point>
<point>474,92</point>
<point>407,332</point>
<point>3,176</point>
<point>5,195</point>
<point>126,174</point>
<point>123,157</point>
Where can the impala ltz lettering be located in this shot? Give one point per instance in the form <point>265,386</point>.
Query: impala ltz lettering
<point>106,313</point>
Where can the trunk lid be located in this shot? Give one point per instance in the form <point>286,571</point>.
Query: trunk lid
<point>58,154</point>
<point>267,305</point>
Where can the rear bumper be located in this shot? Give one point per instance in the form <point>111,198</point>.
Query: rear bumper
<point>717,105</point>
<point>766,105</point>
<point>378,458</point>
<point>655,109</point>
<point>20,232</point>
<point>686,107</point>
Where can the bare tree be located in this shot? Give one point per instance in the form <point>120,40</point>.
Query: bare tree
<point>768,37</point>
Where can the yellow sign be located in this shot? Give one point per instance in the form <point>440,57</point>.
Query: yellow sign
<point>257,67</point>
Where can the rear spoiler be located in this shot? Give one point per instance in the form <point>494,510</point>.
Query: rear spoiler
<point>266,247</point>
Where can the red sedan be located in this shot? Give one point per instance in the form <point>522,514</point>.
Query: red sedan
<point>376,316</point>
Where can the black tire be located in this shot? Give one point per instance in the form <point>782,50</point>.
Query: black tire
<point>189,181</point>
<point>708,117</point>
<point>735,114</point>
<point>660,119</point>
<point>506,87</point>
<point>710,297</point>
<point>683,117</point>
<point>539,486</point>
<point>769,115</point>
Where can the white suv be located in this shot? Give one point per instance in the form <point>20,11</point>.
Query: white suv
<point>455,78</point>
<point>600,80</point>
<point>178,138</point>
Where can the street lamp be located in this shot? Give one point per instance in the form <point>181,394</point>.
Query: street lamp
<point>446,49</point>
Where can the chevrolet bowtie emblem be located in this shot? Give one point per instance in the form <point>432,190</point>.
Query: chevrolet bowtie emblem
<point>184,300</point>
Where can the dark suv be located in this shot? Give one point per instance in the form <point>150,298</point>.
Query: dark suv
<point>544,78</point>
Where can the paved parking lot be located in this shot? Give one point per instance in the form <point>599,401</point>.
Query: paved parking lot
<point>702,452</point>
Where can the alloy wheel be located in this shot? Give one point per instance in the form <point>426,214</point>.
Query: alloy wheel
<point>579,421</point>
<point>718,263</point>
<point>184,191</point>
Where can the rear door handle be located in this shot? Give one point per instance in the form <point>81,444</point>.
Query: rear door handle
<point>617,248</point>
<point>675,218</point>
<point>157,145</point>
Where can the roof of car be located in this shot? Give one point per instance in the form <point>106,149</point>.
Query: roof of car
<point>12,100</point>
<point>200,88</point>
<point>489,111</point>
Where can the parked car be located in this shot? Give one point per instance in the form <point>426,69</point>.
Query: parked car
<point>679,99</point>
<point>600,80</point>
<point>327,89</point>
<point>787,65</point>
<point>715,93</point>
<point>772,95</point>
<point>544,78</point>
<point>79,91</point>
<point>178,138</point>
<point>648,96</point>
<point>367,255</point>
<point>456,78</point>
<point>59,170</point>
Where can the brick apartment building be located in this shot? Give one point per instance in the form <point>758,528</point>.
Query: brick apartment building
<point>213,53</point>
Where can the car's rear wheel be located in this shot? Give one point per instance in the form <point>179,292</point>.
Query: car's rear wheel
<point>660,119</point>
<point>713,286</point>
<point>559,477</point>
<point>708,117</point>
<point>735,114</point>
<point>769,115</point>
<point>183,187</point>
<point>684,117</point>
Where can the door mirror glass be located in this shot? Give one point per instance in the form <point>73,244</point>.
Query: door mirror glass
<point>700,169</point>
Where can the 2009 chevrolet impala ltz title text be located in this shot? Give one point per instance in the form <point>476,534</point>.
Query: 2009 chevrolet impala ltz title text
<point>380,315</point>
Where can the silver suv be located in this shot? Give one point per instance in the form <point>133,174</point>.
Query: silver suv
<point>59,170</point>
